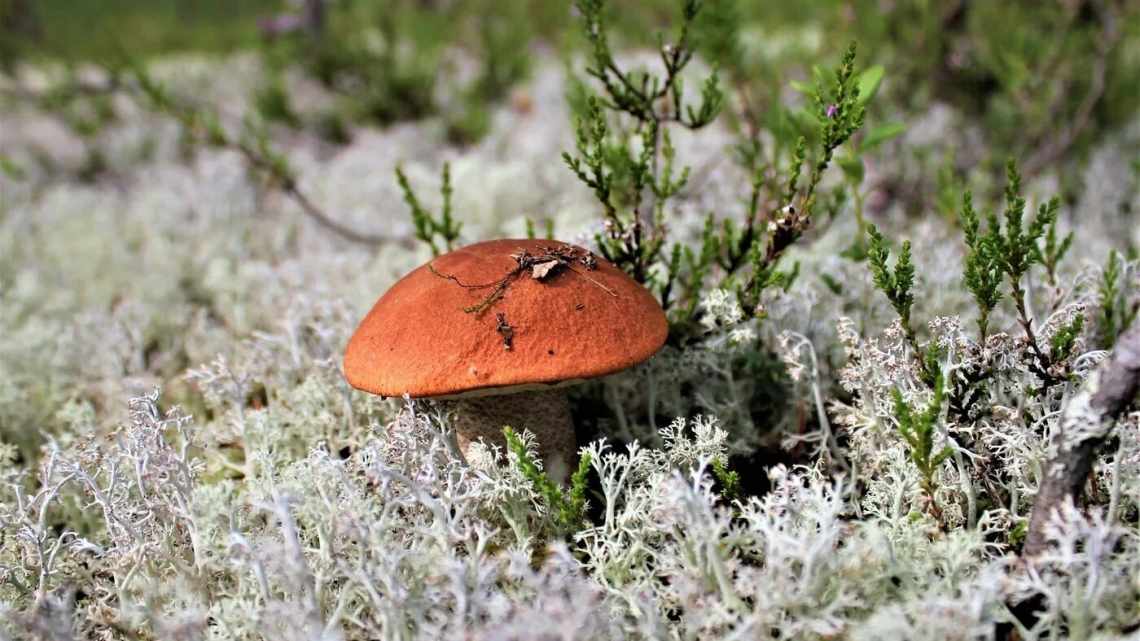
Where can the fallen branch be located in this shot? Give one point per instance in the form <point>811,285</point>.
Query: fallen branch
<point>203,125</point>
<point>288,185</point>
<point>1087,421</point>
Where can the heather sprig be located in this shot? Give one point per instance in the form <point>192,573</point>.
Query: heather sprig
<point>728,478</point>
<point>634,182</point>
<point>591,137</point>
<point>643,95</point>
<point>567,507</point>
<point>918,429</point>
<point>620,171</point>
<point>1008,248</point>
<point>430,228</point>
<point>1016,250</point>
<point>1054,250</point>
<point>896,284</point>
<point>1065,339</point>
<point>840,111</point>
<point>982,274</point>
<point>1115,312</point>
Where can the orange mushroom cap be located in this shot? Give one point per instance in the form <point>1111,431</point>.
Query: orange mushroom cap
<point>502,314</point>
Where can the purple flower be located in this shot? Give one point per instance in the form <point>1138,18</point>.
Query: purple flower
<point>832,110</point>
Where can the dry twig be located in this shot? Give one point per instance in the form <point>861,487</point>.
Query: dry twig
<point>1087,421</point>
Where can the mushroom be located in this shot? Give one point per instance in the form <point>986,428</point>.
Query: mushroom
<point>498,329</point>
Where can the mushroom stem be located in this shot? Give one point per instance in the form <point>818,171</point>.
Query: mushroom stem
<point>545,413</point>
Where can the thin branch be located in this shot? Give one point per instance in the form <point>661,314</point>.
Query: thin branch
<point>1087,421</point>
<point>290,188</point>
<point>186,115</point>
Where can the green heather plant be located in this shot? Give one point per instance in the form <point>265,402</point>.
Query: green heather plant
<point>1017,250</point>
<point>982,271</point>
<point>567,506</point>
<point>634,171</point>
<point>1115,311</point>
<point>895,284</point>
<point>918,429</point>
<point>427,226</point>
<point>620,175</point>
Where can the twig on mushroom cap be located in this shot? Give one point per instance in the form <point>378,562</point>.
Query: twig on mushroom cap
<point>505,330</point>
<point>1086,423</point>
<point>544,265</point>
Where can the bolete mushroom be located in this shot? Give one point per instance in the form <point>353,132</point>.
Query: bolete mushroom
<point>498,329</point>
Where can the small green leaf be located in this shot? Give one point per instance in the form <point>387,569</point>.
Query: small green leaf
<point>11,169</point>
<point>819,77</point>
<point>869,82</point>
<point>881,134</point>
<point>803,87</point>
<point>856,251</point>
<point>852,168</point>
<point>804,122</point>
<point>729,479</point>
<point>832,283</point>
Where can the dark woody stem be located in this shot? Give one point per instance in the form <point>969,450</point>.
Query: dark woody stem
<point>1086,423</point>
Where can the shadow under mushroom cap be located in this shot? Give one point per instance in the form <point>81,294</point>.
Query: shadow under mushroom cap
<point>503,313</point>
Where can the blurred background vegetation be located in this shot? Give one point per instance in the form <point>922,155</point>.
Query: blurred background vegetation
<point>1043,78</point>
<point>1029,71</point>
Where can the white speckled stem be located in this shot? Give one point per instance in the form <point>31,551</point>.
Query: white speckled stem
<point>545,413</point>
<point>1086,423</point>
